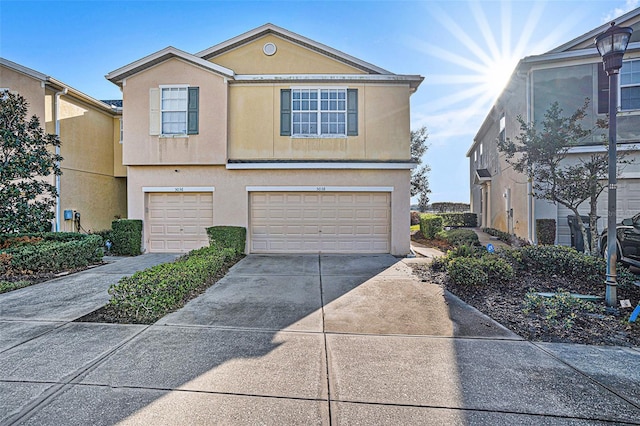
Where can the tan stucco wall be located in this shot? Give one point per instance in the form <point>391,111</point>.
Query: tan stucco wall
<point>231,199</point>
<point>383,126</point>
<point>119,169</point>
<point>207,147</point>
<point>30,88</point>
<point>289,58</point>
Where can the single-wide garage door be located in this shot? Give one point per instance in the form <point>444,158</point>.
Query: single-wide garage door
<point>320,222</point>
<point>177,222</point>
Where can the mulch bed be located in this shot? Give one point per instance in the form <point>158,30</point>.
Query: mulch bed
<point>504,303</point>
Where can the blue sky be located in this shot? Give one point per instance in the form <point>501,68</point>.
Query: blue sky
<point>464,49</point>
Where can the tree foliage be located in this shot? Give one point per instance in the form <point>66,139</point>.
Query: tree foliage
<point>420,175</point>
<point>27,196</point>
<point>540,152</point>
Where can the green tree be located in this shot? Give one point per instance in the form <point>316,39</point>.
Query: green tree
<point>27,157</point>
<point>540,152</point>
<point>420,175</point>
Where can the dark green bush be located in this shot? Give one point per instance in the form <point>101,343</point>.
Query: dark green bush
<point>430,225</point>
<point>497,268</point>
<point>54,255</point>
<point>559,309</point>
<point>106,234</point>
<point>126,237</point>
<point>458,237</point>
<point>546,231</point>
<point>233,237</point>
<point>467,271</point>
<point>459,220</point>
<point>148,295</point>
<point>511,239</point>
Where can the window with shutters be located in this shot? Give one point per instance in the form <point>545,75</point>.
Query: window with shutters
<point>174,110</point>
<point>321,112</point>
<point>630,85</point>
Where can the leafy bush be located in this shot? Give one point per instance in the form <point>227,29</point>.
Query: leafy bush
<point>6,286</point>
<point>106,234</point>
<point>415,218</point>
<point>148,295</point>
<point>430,225</point>
<point>559,309</point>
<point>52,256</point>
<point>459,220</point>
<point>546,231</point>
<point>233,237</point>
<point>467,271</point>
<point>126,237</point>
<point>511,239</point>
<point>458,237</point>
<point>497,268</point>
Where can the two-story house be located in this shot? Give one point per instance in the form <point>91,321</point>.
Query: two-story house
<point>305,146</point>
<point>502,198</point>
<point>93,187</point>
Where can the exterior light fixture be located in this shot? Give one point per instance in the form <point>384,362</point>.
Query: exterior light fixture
<point>611,45</point>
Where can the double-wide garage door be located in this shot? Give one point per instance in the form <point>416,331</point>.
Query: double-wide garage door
<point>177,222</point>
<point>320,222</point>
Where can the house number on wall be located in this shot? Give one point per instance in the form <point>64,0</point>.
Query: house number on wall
<point>179,189</point>
<point>321,188</point>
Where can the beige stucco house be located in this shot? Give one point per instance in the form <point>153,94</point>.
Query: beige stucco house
<point>93,181</point>
<point>305,146</point>
<point>502,198</point>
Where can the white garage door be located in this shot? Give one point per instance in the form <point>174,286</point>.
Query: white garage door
<point>177,222</point>
<point>327,222</point>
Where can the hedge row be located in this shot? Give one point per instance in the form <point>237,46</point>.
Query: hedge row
<point>459,220</point>
<point>430,225</point>
<point>233,237</point>
<point>54,253</point>
<point>126,236</point>
<point>148,295</point>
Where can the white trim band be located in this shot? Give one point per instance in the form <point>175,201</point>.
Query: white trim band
<point>320,188</point>
<point>332,166</point>
<point>178,189</point>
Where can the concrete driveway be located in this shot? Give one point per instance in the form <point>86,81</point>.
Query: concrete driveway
<point>304,340</point>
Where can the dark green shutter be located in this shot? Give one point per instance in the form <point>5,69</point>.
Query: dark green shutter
<point>192,111</point>
<point>352,112</point>
<point>603,90</point>
<point>285,112</point>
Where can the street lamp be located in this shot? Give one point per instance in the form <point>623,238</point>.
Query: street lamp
<point>612,44</point>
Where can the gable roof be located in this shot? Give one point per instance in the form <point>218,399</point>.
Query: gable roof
<point>266,29</point>
<point>117,76</point>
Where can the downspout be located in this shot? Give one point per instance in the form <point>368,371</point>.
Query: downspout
<point>57,112</point>
<point>530,201</point>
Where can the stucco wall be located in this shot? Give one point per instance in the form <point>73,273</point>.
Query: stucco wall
<point>207,147</point>
<point>26,86</point>
<point>289,58</point>
<point>231,199</point>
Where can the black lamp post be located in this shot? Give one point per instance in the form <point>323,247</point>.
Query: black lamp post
<point>612,44</point>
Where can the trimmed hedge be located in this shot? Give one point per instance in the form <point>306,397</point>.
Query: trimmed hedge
<point>233,237</point>
<point>430,225</point>
<point>53,254</point>
<point>459,220</point>
<point>148,295</point>
<point>546,231</point>
<point>126,237</point>
<point>458,237</point>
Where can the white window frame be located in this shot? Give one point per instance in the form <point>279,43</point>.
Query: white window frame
<point>628,85</point>
<point>185,110</point>
<point>121,130</point>
<point>319,112</point>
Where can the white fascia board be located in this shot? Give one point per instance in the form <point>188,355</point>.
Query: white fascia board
<point>588,149</point>
<point>573,54</point>
<point>319,188</point>
<point>329,77</point>
<point>178,189</point>
<point>273,29</point>
<point>169,52</point>
<point>22,69</point>
<point>326,166</point>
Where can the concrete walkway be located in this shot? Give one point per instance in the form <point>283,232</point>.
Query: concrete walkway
<point>298,340</point>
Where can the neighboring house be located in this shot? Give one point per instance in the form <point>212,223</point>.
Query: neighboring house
<point>305,146</point>
<point>568,74</point>
<point>93,182</point>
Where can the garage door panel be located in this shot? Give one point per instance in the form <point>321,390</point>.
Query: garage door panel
<point>320,222</point>
<point>177,222</point>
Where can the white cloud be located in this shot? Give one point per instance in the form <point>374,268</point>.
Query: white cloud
<point>618,11</point>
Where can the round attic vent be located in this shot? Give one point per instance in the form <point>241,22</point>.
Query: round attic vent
<point>269,49</point>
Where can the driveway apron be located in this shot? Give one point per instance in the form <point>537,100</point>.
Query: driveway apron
<point>306,339</point>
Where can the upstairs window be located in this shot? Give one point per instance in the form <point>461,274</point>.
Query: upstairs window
<point>174,110</point>
<point>630,85</point>
<point>323,112</point>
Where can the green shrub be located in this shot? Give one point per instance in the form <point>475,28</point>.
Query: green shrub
<point>148,295</point>
<point>467,271</point>
<point>546,231</point>
<point>126,237</point>
<point>513,256</point>
<point>559,309</point>
<point>430,225</point>
<point>54,256</point>
<point>233,237</point>
<point>6,286</point>
<point>497,268</point>
<point>459,220</point>
<point>458,237</point>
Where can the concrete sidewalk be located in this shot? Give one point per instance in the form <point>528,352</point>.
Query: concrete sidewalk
<point>302,340</point>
